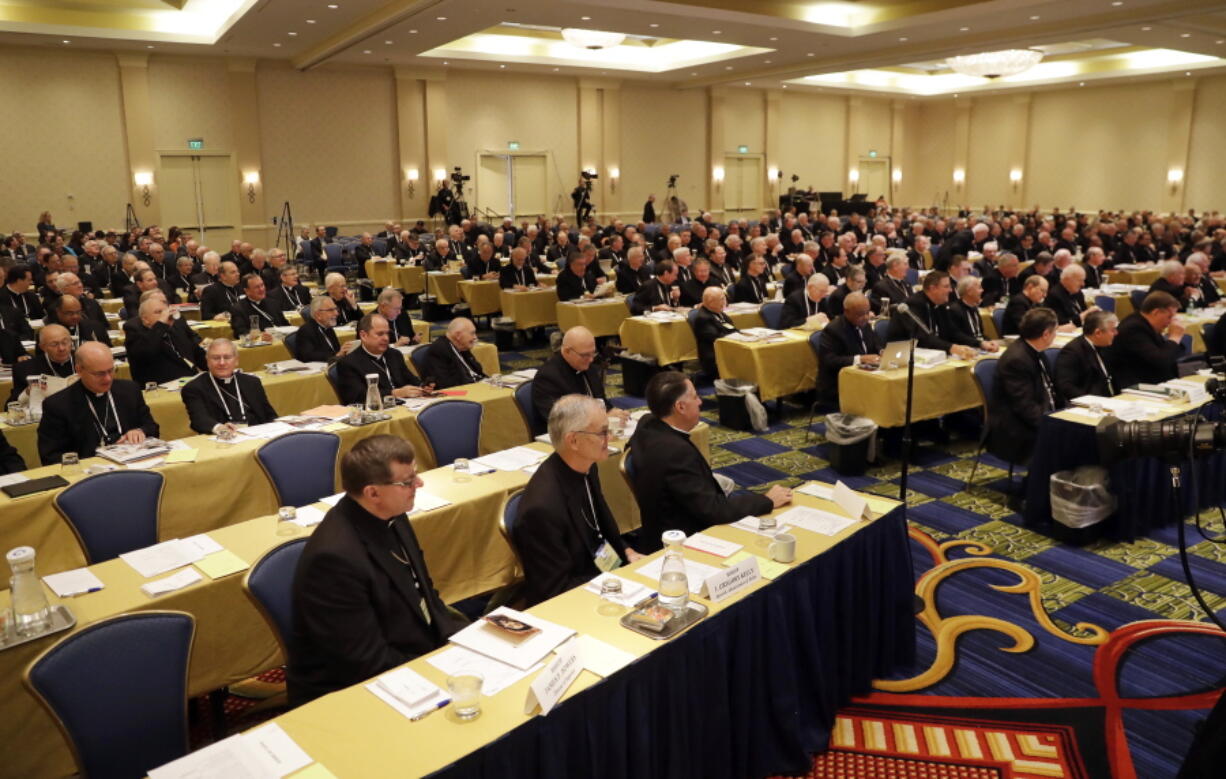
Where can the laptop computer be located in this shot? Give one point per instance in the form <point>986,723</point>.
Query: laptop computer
<point>895,355</point>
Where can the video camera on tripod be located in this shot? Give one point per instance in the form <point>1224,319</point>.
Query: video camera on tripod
<point>458,178</point>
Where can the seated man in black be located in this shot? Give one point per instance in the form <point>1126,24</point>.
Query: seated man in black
<point>98,410</point>
<point>659,294</point>
<point>808,307</point>
<point>572,370</point>
<point>673,483</point>
<point>160,348</point>
<point>1173,282</point>
<point>390,304</point>
<point>1067,299</point>
<point>847,341</point>
<point>892,288</point>
<point>290,294</point>
<point>1034,292</point>
<point>438,259</point>
<point>574,282</point>
<point>347,310</point>
<point>53,358</point>
<point>449,360</point>
<point>143,280</point>
<point>316,339</point>
<point>853,281</point>
<point>1003,282</point>
<point>1142,353</point>
<point>930,306</point>
<point>1024,390</point>
<point>565,533</point>
<point>964,313</point>
<point>18,294</point>
<point>372,357</point>
<point>224,397</point>
<point>632,273</point>
<point>218,300</point>
<point>483,265</point>
<point>256,308</point>
<point>363,600</point>
<point>752,286</point>
<point>710,324</point>
<point>700,280</point>
<point>517,274</point>
<point>1084,365</point>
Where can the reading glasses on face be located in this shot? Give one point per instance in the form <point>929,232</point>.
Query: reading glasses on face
<point>604,433</point>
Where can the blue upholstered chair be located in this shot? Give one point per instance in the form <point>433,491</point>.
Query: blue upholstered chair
<point>301,466</point>
<point>523,398</point>
<point>418,358</point>
<point>270,586</point>
<point>772,314</point>
<point>452,429</point>
<point>291,344</point>
<point>118,691</point>
<point>998,319</point>
<point>114,512</point>
<point>984,373</point>
<point>333,376</point>
<point>882,330</point>
<point>1105,302</point>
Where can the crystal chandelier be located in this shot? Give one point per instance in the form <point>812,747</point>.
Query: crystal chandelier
<point>994,64</point>
<point>591,39</point>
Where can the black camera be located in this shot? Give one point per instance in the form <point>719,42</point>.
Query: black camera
<point>672,180</point>
<point>1166,438</point>
<point>459,177</point>
<point>795,178</point>
<point>588,175</point>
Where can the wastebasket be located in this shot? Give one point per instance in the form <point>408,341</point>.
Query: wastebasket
<point>852,442</point>
<point>637,370</point>
<point>739,406</point>
<point>1081,497</point>
<point>504,334</point>
<point>432,310</point>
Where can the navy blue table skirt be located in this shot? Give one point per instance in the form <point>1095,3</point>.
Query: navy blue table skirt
<point>1142,485</point>
<point>748,692</point>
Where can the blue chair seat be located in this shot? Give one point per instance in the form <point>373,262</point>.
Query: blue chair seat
<point>112,513</point>
<point>772,314</point>
<point>452,429</point>
<point>301,466</point>
<point>523,398</point>
<point>270,586</point>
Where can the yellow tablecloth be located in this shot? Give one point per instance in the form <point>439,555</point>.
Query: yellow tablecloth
<point>533,308</point>
<point>671,342</point>
<point>483,297</point>
<point>386,273</point>
<point>779,368</point>
<point>603,317</point>
<point>444,286</point>
<point>353,733</point>
<point>551,279</point>
<point>1147,276</point>
<point>882,395</point>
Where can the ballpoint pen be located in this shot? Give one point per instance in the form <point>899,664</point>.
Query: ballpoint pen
<point>86,592</point>
<point>430,711</point>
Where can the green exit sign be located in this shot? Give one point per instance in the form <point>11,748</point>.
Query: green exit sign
<point>195,143</point>
<point>742,149</point>
<point>513,145</point>
<point>872,152</point>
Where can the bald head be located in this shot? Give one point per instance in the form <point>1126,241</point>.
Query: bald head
<point>578,348</point>
<point>714,299</point>
<point>462,333</point>
<point>56,342</point>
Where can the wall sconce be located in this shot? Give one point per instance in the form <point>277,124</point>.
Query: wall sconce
<point>853,176</point>
<point>411,175</point>
<point>772,173</point>
<point>144,180</point>
<point>614,175</point>
<point>440,175</point>
<point>896,175</point>
<point>717,174</point>
<point>1173,177</point>
<point>251,179</point>
<point>959,177</point>
<point>1015,176</point>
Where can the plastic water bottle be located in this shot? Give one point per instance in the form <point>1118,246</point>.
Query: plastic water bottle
<point>31,614</point>
<point>374,398</point>
<point>674,584</point>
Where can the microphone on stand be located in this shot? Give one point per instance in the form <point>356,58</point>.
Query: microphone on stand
<point>903,308</point>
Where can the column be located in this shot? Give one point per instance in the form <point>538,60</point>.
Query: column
<point>715,149</point>
<point>256,223</point>
<point>435,88</point>
<point>962,146</point>
<point>138,128</point>
<point>412,132</point>
<point>1178,141</point>
<point>898,161</point>
<point>611,148</point>
<point>773,152</point>
<point>1019,154</point>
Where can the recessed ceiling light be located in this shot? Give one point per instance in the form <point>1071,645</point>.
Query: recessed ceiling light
<point>747,83</point>
<point>1220,41</point>
<point>653,24</point>
<point>366,51</point>
<point>717,32</point>
<point>310,21</point>
<point>502,66</point>
<point>333,6</point>
<point>388,43</point>
<point>1118,3</point>
<point>1187,72</point>
<point>766,62</point>
<point>785,86</point>
<point>1146,29</point>
<point>292,34</point>
<point>902,39</point>
<point>586,18</point>
<point>693,74</point>
<point>1186,35</point>
<point>1081,83</point>
<point>1034,18</point>
<point>726,67</point>
<point>65,41</point>
<point>965,29</point>
<point>445,62</point>
<point>441,18</point>
<point>810,54</point>
<point>277,45</point>
<point>555,70</point>
<point>775,39</point>
<point>412,32</point>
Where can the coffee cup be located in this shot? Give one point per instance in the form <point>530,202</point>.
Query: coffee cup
<point>783,548</point>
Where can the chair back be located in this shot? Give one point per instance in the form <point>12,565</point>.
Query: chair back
<point>114,512</point>
<point>301,466</point>
<point>984,372</point>
<point>418,358</point>
<point>117,689</point>
<point>523,398</point>
<point>692,317</point>
<point>881,328</point>
<point>380,247</point>
<point>1105,302</point>
<point>1206,335</point>
<point>998,319</point>
<point>270,586</point>
<point>334,254</point>
<point>1138,297</point>
<point>510,513</point>
<point>772,314</point>
<point>1185,343</point>
<point>815,343</point>
<point>335,380</point>
<point>912,276</point>
<point>452,429</point>
<point>291,344</point>
<point>1050,356</point>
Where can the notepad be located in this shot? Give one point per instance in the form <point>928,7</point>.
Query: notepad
<point>221,564</point>
<point>74,582</point>
<point>425,501</point>
<point>767,567</point>
<point>177,581</point>
<point>182,456</point>
<point>711,545</point>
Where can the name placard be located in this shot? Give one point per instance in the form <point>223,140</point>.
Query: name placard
<point>551,684</point>
<point>732,580</point>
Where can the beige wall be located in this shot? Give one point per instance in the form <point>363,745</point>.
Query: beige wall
<point>335,141</point>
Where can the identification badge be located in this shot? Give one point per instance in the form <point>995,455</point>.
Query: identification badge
<point>606,558</point>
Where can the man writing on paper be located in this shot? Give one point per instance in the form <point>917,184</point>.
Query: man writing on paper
<point>1084,365</point>
<point>223,397</point>
<point>673,483</point>
<point>565,533</point>
<point>99,410</point>
<point>363,599</point>
<point>449,360</point>
<point>710,324</point>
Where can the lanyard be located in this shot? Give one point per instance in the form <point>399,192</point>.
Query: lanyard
<point>260,311</point>
<point>594,524</point>
<point>587,385</point>
<point>238,395</point>
<point>811,305</point>
<point>107,410</point>
<point>1047,386</point>
<point>471,374</point>
<point>25,304</point>
<point>1106,373</point>
<point>381,363</point>
<point>519,274</point>
<point>407,562</point>
<point>330,338</point>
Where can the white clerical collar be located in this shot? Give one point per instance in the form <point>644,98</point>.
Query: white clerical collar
<point>373,356</point>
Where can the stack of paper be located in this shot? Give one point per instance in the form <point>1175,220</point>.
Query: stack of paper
<point>426,501</point>
<point>496,675</point>
<point>664,316</point>
<point>815,520</point>
<point>514,459</point>
<point>168,555</point>
<point>75,582</point>
<point>927,358</point>
<point>177,581</point>
<point>264,753</point>
<point>751,524</point>
<point>702,542</point>
<point>408,692</point>
<point>490,641</point>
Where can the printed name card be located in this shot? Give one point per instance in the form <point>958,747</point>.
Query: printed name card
<point>732,580</point>
<point>552,683</point>
<point>848,500</point>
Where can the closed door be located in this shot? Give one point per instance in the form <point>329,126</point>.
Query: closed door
<point>874,177</point>
<point>200,191</point>
<point>743,185</point>
<point>493,193</point>
<point>529,191</point>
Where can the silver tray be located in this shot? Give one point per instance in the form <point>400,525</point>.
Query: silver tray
<point>695,613</point>
<point>61,619</point>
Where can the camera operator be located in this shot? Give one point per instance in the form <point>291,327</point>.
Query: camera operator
<point>582,197</point>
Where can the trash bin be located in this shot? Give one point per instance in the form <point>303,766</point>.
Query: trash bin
<point>504,334</point>
<point>739,407</point>
<point>853,443</point>
<point>1081,498</point>
<point>637,370</point>
<point>432,310</point>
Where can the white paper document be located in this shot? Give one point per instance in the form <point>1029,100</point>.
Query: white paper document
<point>307,516</point>
<point>815,520</point>
<point>163,557</point>
<point>201,544</point>
<point>267,430</point>
<point>408,692</point>
<point>176,581</point>
<point>74,582</point>
<point>601,658</point>
<point>696,573</point>
<point>13,478</point>
<point>425,501</point>
<point>482,637</point>
<point>632,592</point>
<point>816,490</point>
<point>514,459</point>
<point>332,500</point>
<point>850,501</point>
<point>751,524</point>
<point>497,676</point>
<point>264,753</point>
<point>702,542</point>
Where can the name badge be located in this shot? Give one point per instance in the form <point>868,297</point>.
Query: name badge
<point>606,558</point>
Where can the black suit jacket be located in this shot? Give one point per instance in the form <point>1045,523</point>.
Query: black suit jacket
<point>1094,275</point>
<point>292,299</point>
<point>891,290</point>
<point>357,609</point>
<point>478,267</point>
<point>1078,371</point>
<point>691,290</point>
<point>750,289</point>
<point>996,287</point>
<point>571,287</point>
<point>36,366</point>
<point>69,426</point>
<point>944,333</point>
<point>361,254</point>
<point>961,242</point>
<point>553,533</point>
<point>675,488</point>
<point>1017,307</point>
<point>651,294</point>
<point>837,350</point>
<point>206,409</point>
<point>796,308</point>
<point>556,378</point>
<point>967,321</point>
<point>267,311</point>
<point>509,276</point>
<point>447,369</point>
<point>10,459</point>
<point>1142,354</point>
<point>312,343</point>
<point>1018,402</point>
<point>709,327</point>
<point>162,352</point>
<point>834,303</point>
<point>217,299</point>
<point>26,304</point>
<point>351,373</point>
<point>1068,307</point>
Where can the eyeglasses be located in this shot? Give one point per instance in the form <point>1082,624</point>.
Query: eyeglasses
<point>407,483</point>
<point>598,433</point>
